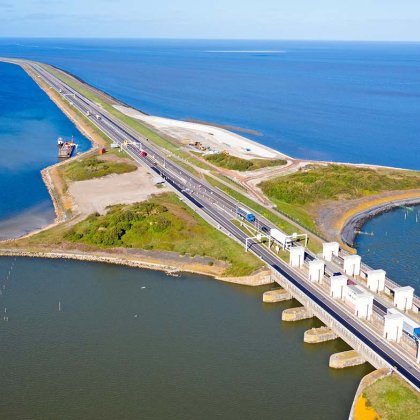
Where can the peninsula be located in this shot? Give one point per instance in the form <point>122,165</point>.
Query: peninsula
<point>204,182</point>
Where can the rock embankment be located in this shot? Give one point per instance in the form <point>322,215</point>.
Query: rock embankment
<point>355,223</point>
<point>170,266</point>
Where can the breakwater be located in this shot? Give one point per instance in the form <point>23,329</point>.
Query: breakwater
<point>355,223</point>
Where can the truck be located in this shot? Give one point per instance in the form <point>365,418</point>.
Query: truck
<point>280,237</point>
<point>409,326</point>
<point>143,153</point>
<point>245,214</point>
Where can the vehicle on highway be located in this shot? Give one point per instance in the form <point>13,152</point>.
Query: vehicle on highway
<point>245,214</point>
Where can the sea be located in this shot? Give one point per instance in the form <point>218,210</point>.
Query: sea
<point>85,340</point>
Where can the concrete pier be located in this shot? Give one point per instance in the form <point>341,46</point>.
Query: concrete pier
<point>346,359</point>
<point>296,314</point>
<point>319,335</point>
<point>276,295</point>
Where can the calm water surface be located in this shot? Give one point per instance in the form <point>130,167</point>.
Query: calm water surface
<point>30,124</point>
<point>394,246</point>
<point>180,348</point>
<point>341,101</point>
<point>197,348</point>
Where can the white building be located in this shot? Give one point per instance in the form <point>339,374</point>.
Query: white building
<point>393,327</point>
<point>329,249</point>
<point>316,270</point>
<point>376,280</point>
<point>337,286</point>
<point>297,256</point>
<point>360,301</point>
<point>403,298</point>
<point>352,264</point>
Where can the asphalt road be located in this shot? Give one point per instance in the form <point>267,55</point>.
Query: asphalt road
<point>221,209</point>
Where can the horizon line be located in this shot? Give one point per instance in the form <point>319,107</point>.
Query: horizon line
<point>129,38</point>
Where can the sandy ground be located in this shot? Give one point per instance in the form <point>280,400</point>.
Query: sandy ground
<point>95,195</point>
<point>216,138</point>
<point>331,216</point>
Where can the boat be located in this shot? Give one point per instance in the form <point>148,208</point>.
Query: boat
<point>65,148</point>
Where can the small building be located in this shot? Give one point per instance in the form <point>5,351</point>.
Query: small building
<point>376,280</point>
<point>337,286</point>
<point>360,301</point>
<point>352,264</point>
<point>297,256</point>
<point>403,297</point>
<point>316,270</point>
<point>329,249</point>
<point>393,327</point>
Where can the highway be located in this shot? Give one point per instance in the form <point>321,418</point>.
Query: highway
<point>220,209</point>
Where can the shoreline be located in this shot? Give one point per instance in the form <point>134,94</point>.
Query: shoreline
<point>345,232</point>
<point>355,222</point>
<point>260,278</point>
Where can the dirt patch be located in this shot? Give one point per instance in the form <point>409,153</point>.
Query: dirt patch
<point>95,195</point>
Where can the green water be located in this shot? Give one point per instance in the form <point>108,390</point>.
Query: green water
<point>180,348</point>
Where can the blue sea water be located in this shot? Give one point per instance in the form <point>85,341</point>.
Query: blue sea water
<point>394,245</point>
<point>30,124</point>
<point>341,101</point>
<point>334,101</point>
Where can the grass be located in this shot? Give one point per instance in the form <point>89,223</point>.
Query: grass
<point>392,398</point>
<point>263,211</point>
<point>93,167</point>
<point>225,160</point>
<point>293,194</point>
<point>174,149</point>
<point>162,223</point>
<point>336,182</point>
<point>232,182</point>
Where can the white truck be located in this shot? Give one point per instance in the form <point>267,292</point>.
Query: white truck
<point>284,240</point>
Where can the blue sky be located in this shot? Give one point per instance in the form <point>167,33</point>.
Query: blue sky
<point>395,20</point>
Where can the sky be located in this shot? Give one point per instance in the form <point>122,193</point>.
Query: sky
<point>371,20</point>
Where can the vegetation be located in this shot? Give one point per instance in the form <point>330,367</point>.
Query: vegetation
<point>293,194</point>
<point>392,398</point>
<point>336,182</point>
<point>162,223</point>
<point>225,160</point>
<point>93,167</point>
<point>263,211</point>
